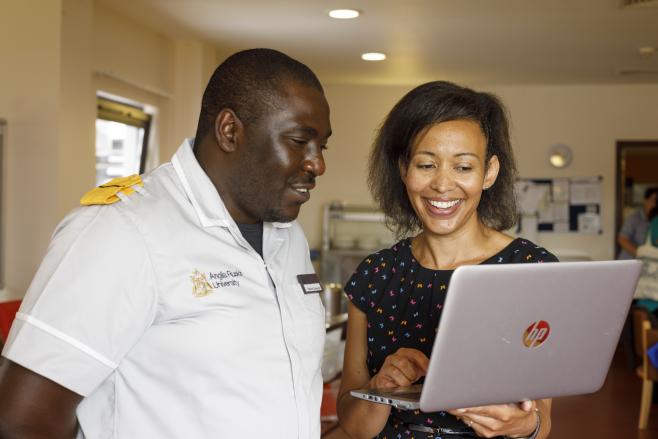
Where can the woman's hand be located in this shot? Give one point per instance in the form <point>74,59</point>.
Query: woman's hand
<point>400,369</point>
<point>513,420</point>
<point>362,419</point>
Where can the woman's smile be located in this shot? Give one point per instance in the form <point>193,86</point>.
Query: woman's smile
<point>443,208</point>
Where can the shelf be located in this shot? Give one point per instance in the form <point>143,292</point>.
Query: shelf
<point>336,321</point>
<point>376,217</point>
<point>350,251</point>
<point>358,230</point>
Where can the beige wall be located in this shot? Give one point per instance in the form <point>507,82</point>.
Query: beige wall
<point>138,63</point>
<point>55,61</point>
<point>588,118</point>
<point>127,50</point>
<point>29,101</point>
<point>77,105</point>
<point>591,119</point>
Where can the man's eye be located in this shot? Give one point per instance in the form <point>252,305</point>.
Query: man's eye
<point>425,165</point>
<point>299,141</point>
<point>464,168</point>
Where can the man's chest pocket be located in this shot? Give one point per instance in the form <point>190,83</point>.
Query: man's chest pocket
<point>309,324</point>
<point>305,302</point>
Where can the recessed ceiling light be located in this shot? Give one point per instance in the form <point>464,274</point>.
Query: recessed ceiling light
<point>344,14</point>
<point>646,50</point>
<point>373,56</point>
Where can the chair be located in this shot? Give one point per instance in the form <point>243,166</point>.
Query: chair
<point>644,337</point>
<point>7,314</point>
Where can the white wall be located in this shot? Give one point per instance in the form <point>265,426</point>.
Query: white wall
<point>588,118</point>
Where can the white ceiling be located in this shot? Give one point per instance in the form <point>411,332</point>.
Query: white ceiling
<point>468,41</point>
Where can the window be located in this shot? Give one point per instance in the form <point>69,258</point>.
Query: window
<point>122,132</point>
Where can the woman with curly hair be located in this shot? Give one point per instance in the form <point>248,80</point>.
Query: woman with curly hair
<point>443,172</point>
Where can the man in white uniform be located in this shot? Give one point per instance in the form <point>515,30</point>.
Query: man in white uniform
<point>183,304</point>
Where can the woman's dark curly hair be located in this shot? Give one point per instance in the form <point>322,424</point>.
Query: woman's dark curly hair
<point>426,105</point>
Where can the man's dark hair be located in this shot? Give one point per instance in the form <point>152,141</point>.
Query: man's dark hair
<point>426,105</point>
<point>249,83</point>
<point>650,191</point>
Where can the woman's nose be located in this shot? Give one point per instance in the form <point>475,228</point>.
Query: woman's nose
<point>442,181</point>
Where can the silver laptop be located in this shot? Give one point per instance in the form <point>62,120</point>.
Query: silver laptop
<point>517,332</point>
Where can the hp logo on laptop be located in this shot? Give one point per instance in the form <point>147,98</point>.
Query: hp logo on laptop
<point>536,334</point>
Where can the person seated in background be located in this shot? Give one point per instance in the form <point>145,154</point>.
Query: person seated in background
<point>174,306</point>
<point>441,167</point>
<point>633,231</point>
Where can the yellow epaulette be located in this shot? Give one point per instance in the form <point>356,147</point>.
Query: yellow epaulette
<point>107,193</point>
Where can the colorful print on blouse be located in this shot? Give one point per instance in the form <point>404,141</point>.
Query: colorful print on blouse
<point>403,301</point>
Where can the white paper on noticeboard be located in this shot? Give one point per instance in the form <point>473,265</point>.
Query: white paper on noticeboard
<point>589,222</point>
<point>545,213</point>
<point>560,212</point>
<point>585,191</point>
<point>560,190</point>
<point>532,196</point>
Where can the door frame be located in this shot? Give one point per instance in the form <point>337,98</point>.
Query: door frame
<point>621,146</point>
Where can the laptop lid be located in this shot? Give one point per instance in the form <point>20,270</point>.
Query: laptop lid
<point>513,332</point>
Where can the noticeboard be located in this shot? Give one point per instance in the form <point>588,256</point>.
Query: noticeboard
<point>560,205</point>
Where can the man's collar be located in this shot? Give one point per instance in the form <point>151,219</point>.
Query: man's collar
<point>201,192</point>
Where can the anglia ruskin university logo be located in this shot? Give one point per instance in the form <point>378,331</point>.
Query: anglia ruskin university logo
<point>536,334</point>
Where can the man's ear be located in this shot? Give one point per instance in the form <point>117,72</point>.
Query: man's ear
<point>228,130</point>
<point>491,173</point>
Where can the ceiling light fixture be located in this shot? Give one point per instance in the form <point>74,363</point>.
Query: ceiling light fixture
<point>646,50</point>
<point>373,56</point>
<point>344,14</point>
<point>559,155</point>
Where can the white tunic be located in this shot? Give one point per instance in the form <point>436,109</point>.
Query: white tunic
<point>163,317</point>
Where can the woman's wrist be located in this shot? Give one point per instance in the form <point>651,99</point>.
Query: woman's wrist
<point>535,433</point>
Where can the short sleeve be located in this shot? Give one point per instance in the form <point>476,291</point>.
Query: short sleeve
<point>364,287</point>
<point>629,226</point>
<point>91,299</point>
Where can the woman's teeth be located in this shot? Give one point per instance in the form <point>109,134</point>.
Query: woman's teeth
<point>443,204</point>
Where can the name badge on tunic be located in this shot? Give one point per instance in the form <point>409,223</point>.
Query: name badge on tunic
<point>310,283</point>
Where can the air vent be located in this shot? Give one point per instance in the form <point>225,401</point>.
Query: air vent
<point>639,3</point>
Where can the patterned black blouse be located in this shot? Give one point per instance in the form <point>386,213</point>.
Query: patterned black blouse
<point>403,302</point>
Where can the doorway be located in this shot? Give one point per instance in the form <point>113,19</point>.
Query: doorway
<point>636,170</point>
